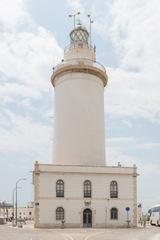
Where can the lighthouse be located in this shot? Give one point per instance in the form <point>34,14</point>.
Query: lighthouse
<point>78,190</point>
<point>79,81</point>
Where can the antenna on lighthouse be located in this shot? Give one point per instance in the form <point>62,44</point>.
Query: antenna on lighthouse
<point>79,22</point>
<point>74,18</point>
<point>90,28</point>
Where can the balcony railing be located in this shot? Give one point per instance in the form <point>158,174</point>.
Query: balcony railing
<point>78,61</point>
<point>79,45</point>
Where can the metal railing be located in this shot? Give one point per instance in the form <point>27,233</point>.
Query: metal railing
<point>79,45</point>
<point>77,61</point>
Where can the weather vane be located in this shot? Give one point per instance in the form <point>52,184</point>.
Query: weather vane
<point>90,27</point>
<point>74,18</point>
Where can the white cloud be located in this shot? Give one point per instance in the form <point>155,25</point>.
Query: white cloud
<point>26,57</point>
<point>134,86</point>
<point>23,135</point>
<point>75,4</point>
<point>128,143</point>
<point>150,145</point>
<point>115,155</point>
<point>27,54</point>
<point>13,14</point>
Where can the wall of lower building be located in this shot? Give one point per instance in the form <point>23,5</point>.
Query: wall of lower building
<point>22,213</point>
<point>74,213</point>
<point>74,203</point>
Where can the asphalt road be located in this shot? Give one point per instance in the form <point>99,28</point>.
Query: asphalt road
<point>28,233</point>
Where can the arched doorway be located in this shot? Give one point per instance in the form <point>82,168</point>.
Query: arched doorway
<point>87,218</point>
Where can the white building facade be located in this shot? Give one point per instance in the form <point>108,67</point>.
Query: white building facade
<point>78,189</point>
<point>24,213</point>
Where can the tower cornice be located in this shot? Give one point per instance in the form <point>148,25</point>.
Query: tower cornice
<point>80,66</point>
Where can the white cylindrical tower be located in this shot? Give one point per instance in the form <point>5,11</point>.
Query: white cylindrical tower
<point>79,81</point>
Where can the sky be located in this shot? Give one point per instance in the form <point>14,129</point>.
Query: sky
<point>33,35</point>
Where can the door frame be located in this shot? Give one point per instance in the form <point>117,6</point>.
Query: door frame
<point>88,225</point>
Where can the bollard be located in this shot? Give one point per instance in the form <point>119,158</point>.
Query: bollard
<point>128,223</point>
<point>20,225</point>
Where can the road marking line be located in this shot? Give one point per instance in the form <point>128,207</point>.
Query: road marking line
<point>92,235</point>
<point>67,236</point>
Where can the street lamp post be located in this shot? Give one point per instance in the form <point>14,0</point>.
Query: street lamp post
<point>13,204</point>
<point>21,179</point>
